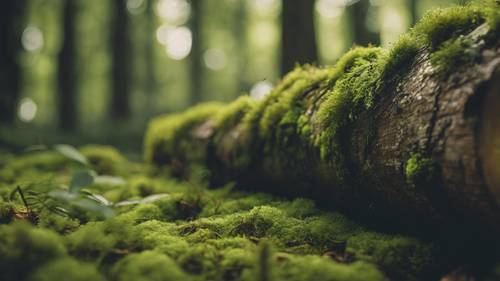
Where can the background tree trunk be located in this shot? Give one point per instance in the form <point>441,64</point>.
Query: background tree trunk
<point>413,7</point>
<point>240,35</point>
<point>413,158</point>
<point>11,28</point>
<point>121,62</point>
<point>298,36</point>
<point>66,79</point>
<point>150,49</point>
<point>361,34</point>
<point>196,67</point>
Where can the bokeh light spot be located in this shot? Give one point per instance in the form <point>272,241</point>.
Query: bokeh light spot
<point>32,39</point>
<point>215,59</point>
<point>174,11</point>
<point>135,6</point>
<point>261,89</point>
<point>27,110</point>
<point>178,42</point>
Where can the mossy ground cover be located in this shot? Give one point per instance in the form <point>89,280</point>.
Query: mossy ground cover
<point>148,226</point>
<point>160,228</point>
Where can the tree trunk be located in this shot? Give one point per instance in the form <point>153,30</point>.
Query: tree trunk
<point>66,70</point>
<point>240,35</point>
<point>298,36</point>
<point>413,7</point>
<point>151,84</point>
<point>196,68</point>
<point>11,28</point>
<point>361,34</point>
<point>121,62</point>
<point>424,150</point>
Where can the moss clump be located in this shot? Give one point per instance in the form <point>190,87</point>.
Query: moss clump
<point>353,92</point>
<point>322,268</point>
<point>90,242</point>
<point>454,53</point>
<point>104,159</point>
<point>492,13</point>
<point>393,253</point>
<point>165,133</point>
<point>148,266</point>
<point>66,269</point>
<point>420,170</point>
<point>23,248</point>
<point>439,25</point>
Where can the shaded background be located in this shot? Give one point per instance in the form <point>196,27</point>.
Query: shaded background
<point>79,71</point>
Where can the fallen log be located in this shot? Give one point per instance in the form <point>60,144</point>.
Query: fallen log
<point>409,135</point>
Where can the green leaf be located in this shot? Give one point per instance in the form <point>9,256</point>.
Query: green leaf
<point>72,153</point>
<point>96,197</point>
<point>110,180</point>
<point>145,200</point>
<point>81,179</point>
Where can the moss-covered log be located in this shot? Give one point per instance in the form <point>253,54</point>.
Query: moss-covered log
<point>407,134</point>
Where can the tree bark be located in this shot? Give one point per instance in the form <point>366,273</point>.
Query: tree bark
<point>66,79</point>
<point>11,28</point>
<point>121,62</point>
<point>425,153</point>
<point>196,67</point>
<point>298,36</point>
<point>361,34</point>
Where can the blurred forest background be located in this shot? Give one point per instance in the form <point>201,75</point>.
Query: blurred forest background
<point>79,71</point>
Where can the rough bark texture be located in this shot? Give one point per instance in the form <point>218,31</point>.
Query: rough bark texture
<point>66,78</point>
<point>298,38</point>
<point>413,157</point>
<point>11,16</point>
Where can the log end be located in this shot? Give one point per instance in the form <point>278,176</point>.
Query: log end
<point>489,138</point>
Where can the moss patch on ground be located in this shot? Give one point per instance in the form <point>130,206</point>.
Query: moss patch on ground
<point>164,229</point>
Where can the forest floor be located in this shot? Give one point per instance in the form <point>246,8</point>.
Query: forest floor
<point>90,214</point>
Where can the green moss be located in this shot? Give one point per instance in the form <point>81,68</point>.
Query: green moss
<point>454,53</point>
<point>6,212</point>
<point>165,133</point>
<point>439,25</point>
<point>23,248</point>
<point>401,54</point>
<point>148,266</point>
<point>32,164</point>
<point>104,159</point>
<point>322,268</point>
<point>66,269</point>
<point>492,13</point>
<point>420,170</point>
<point>90,242</point>
<point>57,222</point>
<point>402,257</point>
<point>353,92</point>
<point>232,113</point>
